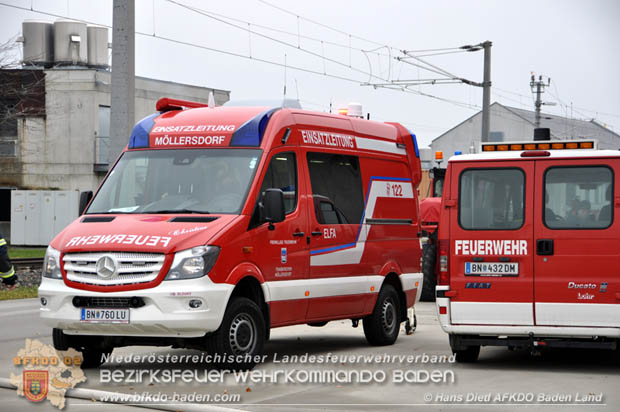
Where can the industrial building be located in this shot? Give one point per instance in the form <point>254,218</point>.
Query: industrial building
<point>55,110</point>
<point>512,124</point>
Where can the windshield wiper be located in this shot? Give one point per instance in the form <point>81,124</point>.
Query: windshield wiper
<point>171,211</point>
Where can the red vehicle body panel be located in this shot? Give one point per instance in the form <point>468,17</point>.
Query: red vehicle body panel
<point>571,292</point>
<point>359,250</point>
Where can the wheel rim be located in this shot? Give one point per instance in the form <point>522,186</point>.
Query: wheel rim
<point>388,315</point>
<point>242,334</point>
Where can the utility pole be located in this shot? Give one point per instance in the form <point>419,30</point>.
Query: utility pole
<point>122,111</point>
<point>538,87</point>
<point>486,91</point>
<point>410,57</point>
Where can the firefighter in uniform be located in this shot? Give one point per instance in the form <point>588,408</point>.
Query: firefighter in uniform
<point>7,271</point>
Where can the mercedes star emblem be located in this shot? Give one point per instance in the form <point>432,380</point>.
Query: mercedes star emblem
<point>106,267</point>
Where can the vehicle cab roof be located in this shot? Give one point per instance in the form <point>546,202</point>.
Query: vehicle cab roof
<point>517,155</point>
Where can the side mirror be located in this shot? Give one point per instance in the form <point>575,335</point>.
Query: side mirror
<point>272,207</point>
<point>85,198</point>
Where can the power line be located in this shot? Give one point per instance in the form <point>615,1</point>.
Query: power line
<point>239,55</point>
<point>156,36</point>
<point>437,68</point>
<point>288,33</point>
<point>206,14</point>
<point>556,97</point>
<point>441,54</point>
<point>321,24</point>
<point>435,50</point>
<point>510,99</point>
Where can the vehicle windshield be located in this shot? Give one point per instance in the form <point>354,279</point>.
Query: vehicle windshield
<point>178,181</point>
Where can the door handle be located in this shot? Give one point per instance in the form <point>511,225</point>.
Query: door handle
<point>317,233</point>
<point>298,234</point>
<point>544,247</point>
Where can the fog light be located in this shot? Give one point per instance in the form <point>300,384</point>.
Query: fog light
<point>195,303</point>
<point>135,302</point>
<point>43,302</point>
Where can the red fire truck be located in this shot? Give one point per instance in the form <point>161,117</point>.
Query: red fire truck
<point>219,223</point>
<point>429,222</point>
<point>528,247</point>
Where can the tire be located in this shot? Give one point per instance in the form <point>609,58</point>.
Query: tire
<point>91,358</point>
<point>429,262</point>
<point>242,332</point>
<point>59,339</point>
<point>382,326</point>
<point>468,355</point>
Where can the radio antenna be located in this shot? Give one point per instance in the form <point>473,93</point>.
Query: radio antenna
<point>284,78</point>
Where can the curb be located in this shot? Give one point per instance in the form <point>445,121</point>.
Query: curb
<point>97,395</point>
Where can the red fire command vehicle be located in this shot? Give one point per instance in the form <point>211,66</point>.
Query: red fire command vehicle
<point>529,247</point>
<point>217,224</point>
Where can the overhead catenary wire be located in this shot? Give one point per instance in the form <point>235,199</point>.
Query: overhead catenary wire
<point>577,109</point>
<point>556,96</point>
<point>325,26</point>
<point>298,35</point>
<point>441,54</point>
<point>409,53</point>
<point>239,55</point>
<point>439,69</point>
<point>294,67</point>
<point>207,14</point>
<point>181,42</point>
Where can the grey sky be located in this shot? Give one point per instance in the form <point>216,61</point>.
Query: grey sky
<point>573,42</point>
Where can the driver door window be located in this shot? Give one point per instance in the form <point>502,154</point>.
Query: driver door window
<point>282,174</point>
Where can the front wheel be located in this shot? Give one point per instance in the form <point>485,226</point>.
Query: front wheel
<point>241,335</point>
<point>382,326</point>
<point>59,339</point>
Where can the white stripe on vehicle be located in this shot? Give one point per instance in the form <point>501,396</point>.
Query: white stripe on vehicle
<point>491,313</point>
<point>578,314</point>
<point>379,146</point>
<point>330,287</point>
<point>353,254</point>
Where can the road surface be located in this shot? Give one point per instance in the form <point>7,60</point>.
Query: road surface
<point>501,380</point>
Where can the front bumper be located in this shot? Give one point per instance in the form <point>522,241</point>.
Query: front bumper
<point>166,312</point>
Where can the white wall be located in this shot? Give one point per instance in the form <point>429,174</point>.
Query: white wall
<point>58,151</point>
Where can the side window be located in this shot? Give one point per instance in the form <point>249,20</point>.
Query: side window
<point>491,199</point>
<point>282,174</point>
<point>336,188</point>
<point>438,188</point>
<point>578,197</point>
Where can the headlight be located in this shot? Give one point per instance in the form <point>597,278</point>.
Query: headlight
<point>193,263</point>
<point>51,264</point>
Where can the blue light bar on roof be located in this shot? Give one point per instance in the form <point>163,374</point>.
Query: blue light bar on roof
<point>251,132</point>
<point>140,133</point>
<point>415,144</point>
